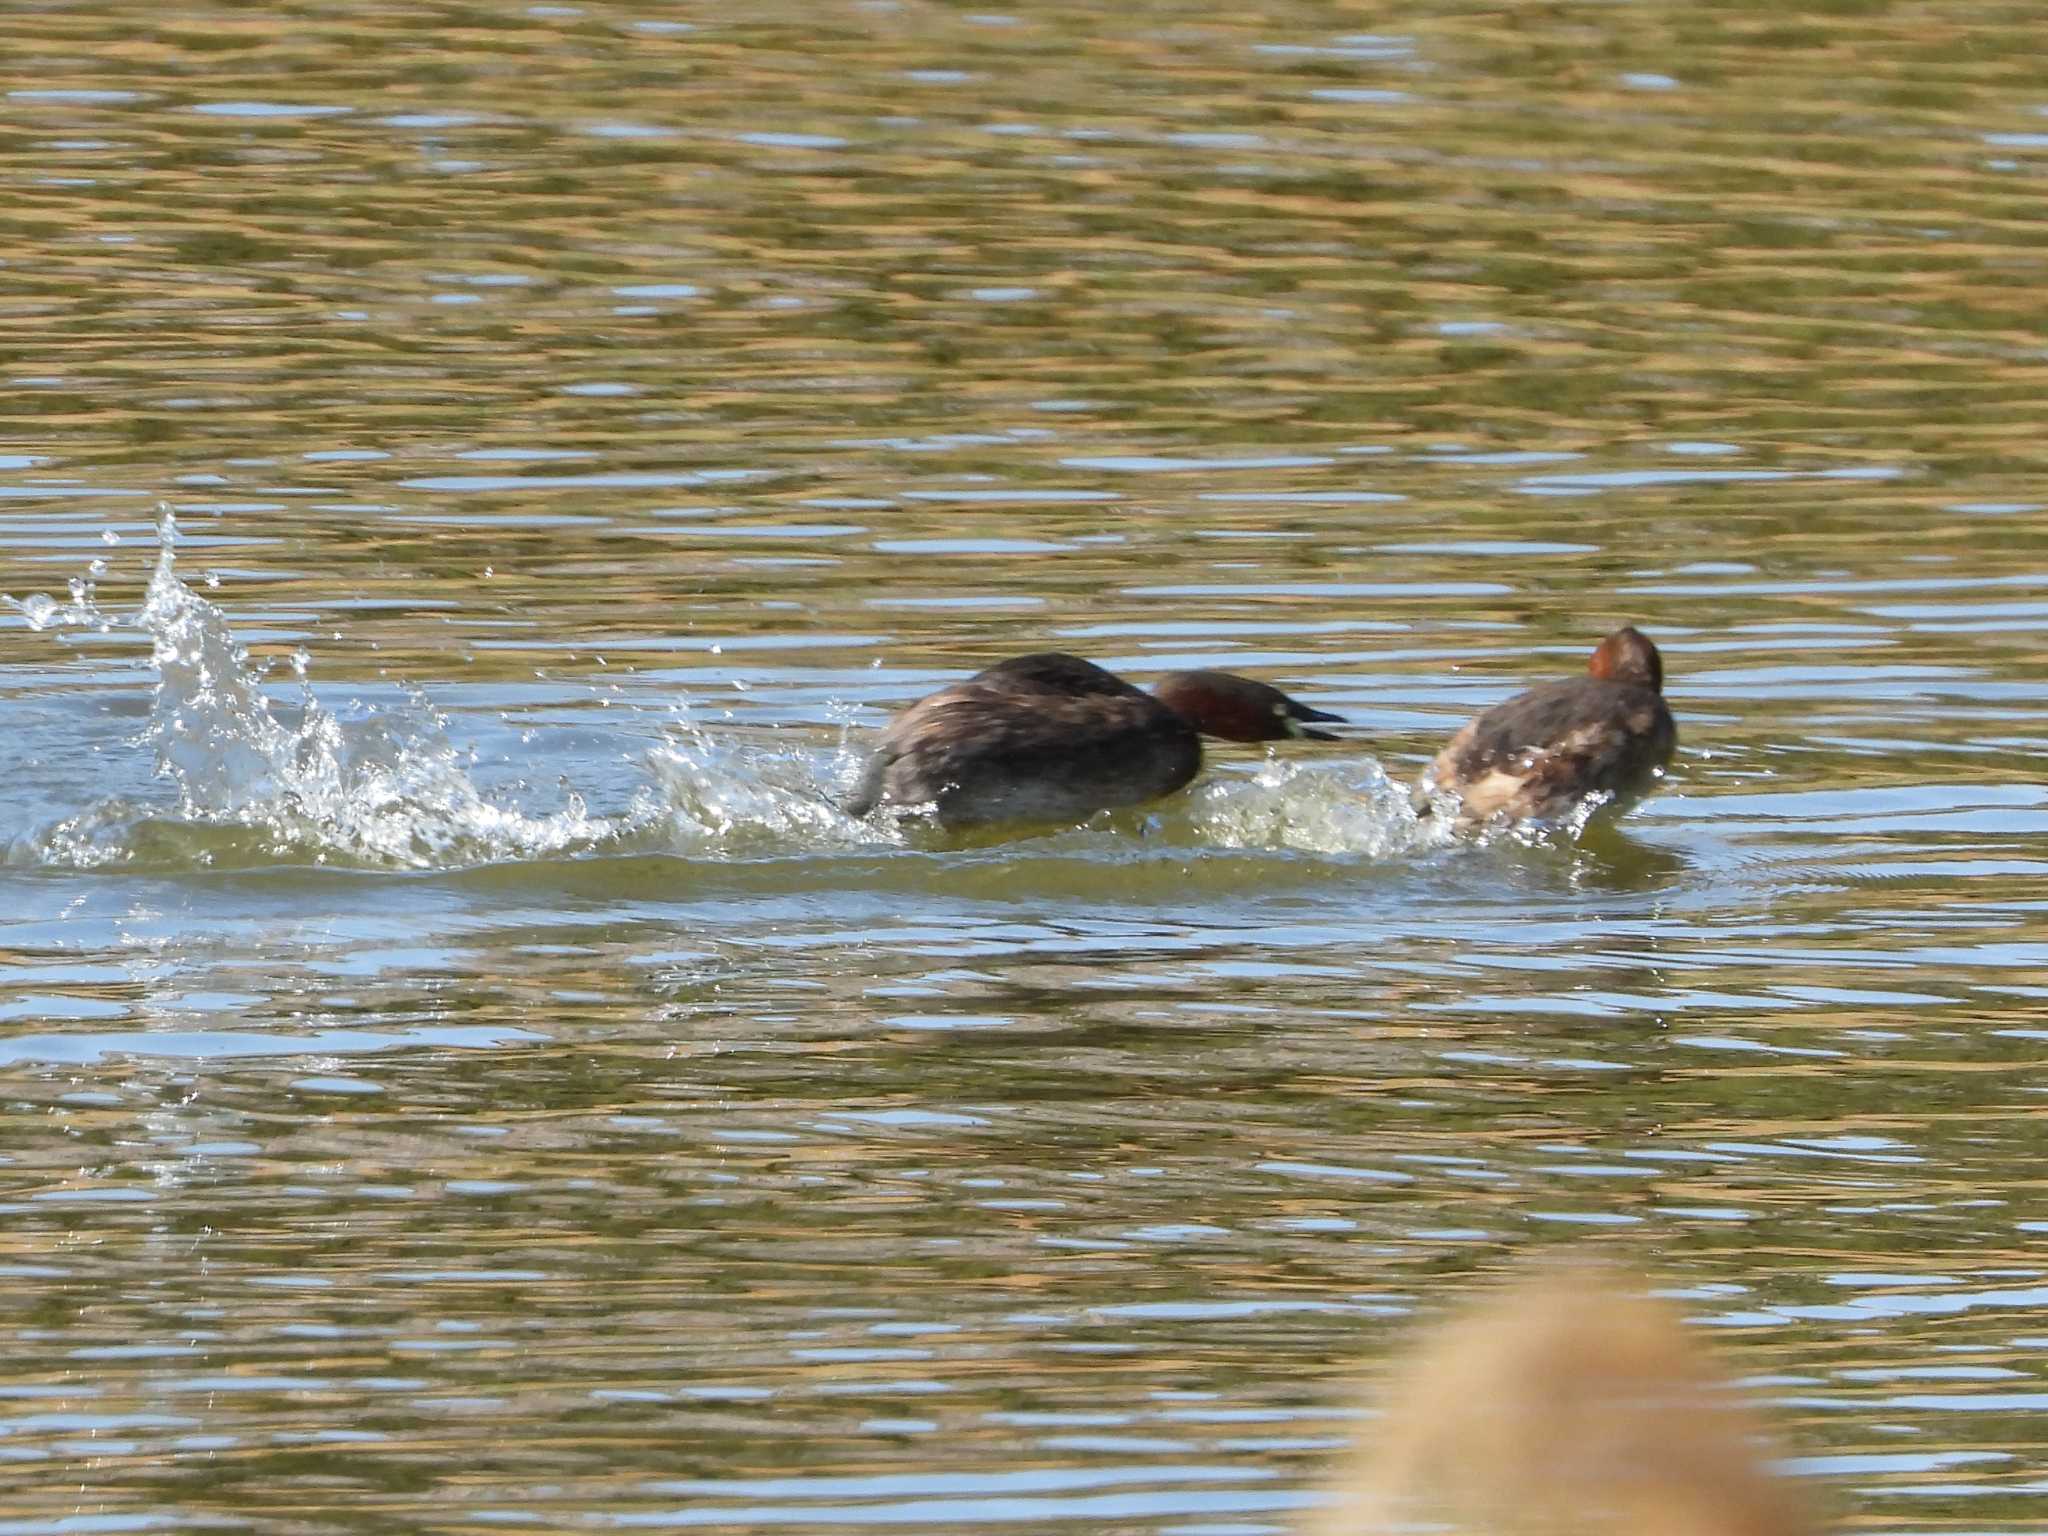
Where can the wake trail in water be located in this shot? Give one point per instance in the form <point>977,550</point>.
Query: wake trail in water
<point>258,782</point>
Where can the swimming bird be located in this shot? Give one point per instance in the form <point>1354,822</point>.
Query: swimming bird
<point>1050,737</point>
<point>1545,752</point>
<point>1568,1403</point>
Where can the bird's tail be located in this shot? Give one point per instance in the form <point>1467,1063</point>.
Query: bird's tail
<point>1566,1404</point>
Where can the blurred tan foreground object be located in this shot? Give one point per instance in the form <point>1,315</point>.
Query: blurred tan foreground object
<point>1565,1402</point>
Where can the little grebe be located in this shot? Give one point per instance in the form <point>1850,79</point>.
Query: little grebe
<point>1566,1404</point>
<point>1051,737</point>
<point>1546,751</point>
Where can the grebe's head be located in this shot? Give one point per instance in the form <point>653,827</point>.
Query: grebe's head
<point>1627,656</point>
<point>1234,708</point>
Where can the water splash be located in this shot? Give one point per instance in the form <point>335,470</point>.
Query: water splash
<point>43,611</point>
<point>261,780</point>
<point>387,789</point>
<point>721,796</point>
<point>735,797</point>
<point>1349,806</point>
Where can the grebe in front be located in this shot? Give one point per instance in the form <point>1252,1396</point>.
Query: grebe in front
<point>1543,753</point>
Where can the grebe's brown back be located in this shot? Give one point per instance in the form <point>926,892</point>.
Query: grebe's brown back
<point>1544,752</point>
<point>1050,737</point>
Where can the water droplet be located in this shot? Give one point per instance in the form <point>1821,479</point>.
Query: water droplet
<point>39,609</point>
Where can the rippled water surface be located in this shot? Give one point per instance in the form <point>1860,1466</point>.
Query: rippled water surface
<point>458,1069</point>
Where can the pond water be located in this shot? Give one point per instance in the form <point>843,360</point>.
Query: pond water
<point>458,1070</point>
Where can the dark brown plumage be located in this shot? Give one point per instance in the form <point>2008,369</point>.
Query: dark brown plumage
<point>1544,752</point>
<point>1050,737</point>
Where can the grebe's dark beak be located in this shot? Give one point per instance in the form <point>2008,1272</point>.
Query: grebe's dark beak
<point>1297,712</point>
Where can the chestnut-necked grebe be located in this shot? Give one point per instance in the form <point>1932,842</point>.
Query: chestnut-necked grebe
<point>1547,751</point>
<point>1051,737</point>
